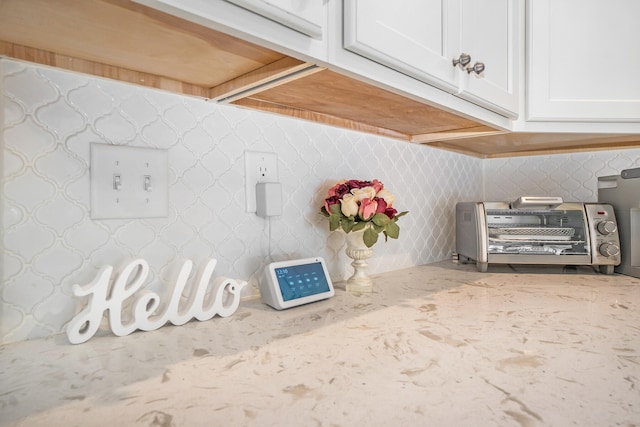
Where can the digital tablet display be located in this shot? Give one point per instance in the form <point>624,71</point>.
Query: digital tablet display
<point>295,282</point>
<point>301,281</point>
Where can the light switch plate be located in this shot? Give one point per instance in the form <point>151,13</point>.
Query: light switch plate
<point>129,182</point>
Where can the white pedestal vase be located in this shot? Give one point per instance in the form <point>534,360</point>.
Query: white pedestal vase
<point>359,252</point>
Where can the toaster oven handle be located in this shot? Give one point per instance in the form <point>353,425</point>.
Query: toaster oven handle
<point>536,202</point>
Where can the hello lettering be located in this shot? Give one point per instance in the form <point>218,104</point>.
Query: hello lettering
<point>146,311</point>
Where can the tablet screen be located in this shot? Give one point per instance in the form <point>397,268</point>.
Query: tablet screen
<point>300,281</point>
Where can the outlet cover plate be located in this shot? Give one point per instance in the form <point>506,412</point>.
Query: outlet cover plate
<point>258,167</point>
<point>129,182</point>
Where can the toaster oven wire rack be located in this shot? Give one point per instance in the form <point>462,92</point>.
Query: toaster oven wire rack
<point>532,233</point>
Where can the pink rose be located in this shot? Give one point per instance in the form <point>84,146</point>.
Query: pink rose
<point>377,185</point>
<point>367,209</point>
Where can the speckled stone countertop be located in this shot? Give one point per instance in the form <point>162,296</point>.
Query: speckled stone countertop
<point>437,345</point>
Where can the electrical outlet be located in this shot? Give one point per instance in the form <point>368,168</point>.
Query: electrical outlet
<point>258,167</point>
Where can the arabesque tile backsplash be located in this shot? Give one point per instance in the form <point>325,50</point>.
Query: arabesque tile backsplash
<point>50,117</point>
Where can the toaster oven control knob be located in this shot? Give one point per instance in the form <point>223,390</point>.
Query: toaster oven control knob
<point>607,227</point>
<point>609,249</point>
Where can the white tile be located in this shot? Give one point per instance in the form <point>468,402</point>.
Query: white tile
<point>51,117</point>
<point>28,291</point>
<point>136,236</point>
<point>158,134</point>
<point>23,84</point>
<point>115,128</point>
<point>86,236</point>
<point>29,139</point>
<point>13,112</point>
<point>180,117</point>
<point>59,214</point>
<point>60,166</point>
<point>91,101</point>
<point>28,239</point>
<point>56,263</point>
<point>59,117</point>
<point>198,141</point>
<point>12,164</point>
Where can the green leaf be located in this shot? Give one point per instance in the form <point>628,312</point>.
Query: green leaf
<point>380,219</point>
<point>370,237</point>
<point>347,224</point>
<point>400,214</point>
<point>359,226</point>
<point>335,209</point>
<point>393,230</point>
<point>334,222</point>
<point>377,228</point>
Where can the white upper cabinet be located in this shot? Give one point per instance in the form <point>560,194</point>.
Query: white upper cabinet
<point>583,60</point>
<point>292,27</point>
<point>421,38</point>
<point>491,34</point>
<point>305,16</point>
<point>410,36</point>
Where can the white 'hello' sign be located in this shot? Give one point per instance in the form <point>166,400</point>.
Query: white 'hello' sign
<point>223,299</point>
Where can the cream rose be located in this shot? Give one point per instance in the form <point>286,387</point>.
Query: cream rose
<point>349,205</point>
<point>364,193</point>
<point>387,196</point>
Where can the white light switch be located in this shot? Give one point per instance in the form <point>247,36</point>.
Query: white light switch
<point>129,182</point>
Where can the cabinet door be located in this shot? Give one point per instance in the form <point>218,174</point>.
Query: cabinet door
<point>305,16</point>
<point>281,25</point>
<point>409,36</point>
<point>583,60</point>
<point>490,34</point>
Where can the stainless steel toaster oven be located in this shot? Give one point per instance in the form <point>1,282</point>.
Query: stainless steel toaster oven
<point>623,193</point>
<point>537,230</point>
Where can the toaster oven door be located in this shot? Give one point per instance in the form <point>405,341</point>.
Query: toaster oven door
<point>552,236</point>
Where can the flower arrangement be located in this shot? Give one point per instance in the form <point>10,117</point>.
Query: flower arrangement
<point>355,205</point>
